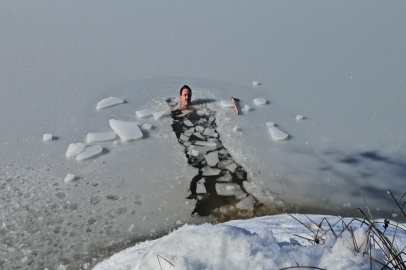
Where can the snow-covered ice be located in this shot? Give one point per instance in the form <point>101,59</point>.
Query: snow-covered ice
<point>158,115</point>
<point>47,137</point>
<point>75,149</point>
<point>108,102</point>
<point>145,113</point>
<point>69,178</point>
<point>212,158</point>
<point>100,137</point>
<point>90,151</point>
<point>277,134</point>
<point>259,101</point>
<point>126,130</point>
<point>226,103</point>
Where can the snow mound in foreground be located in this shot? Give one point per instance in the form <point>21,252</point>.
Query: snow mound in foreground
<point>228,247</point>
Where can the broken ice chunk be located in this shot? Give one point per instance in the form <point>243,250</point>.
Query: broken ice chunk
<point>210,132</point>
<point>252,189</point>
<point>246,204</point>
<point>202,112</point>
<point>259,101</point>
<point>299,117</point>
<point>108,102</point>
<point>144,113</point>
<point>194,152</point>
<point>75,149</point>
<point>235,129</point>
<point>47,137</point>
<point>204,143</point>
<point>100,137</point>
<point>277,134</point>
<point>200,188</point>
<point>224,163</point>
<point>126,130</point>
<point>270,124</point>
<point>225,178</point>
<point>246,109</point>
<point>231,167</point>
<point>207,171</point>
<point>229,189</point>
<point>255,83</point>
<point>146,126</point>
<point>197,134</point>
<point>199,128</point>
<point>184,138</point>
<point>188,123</point>
<point>69,178</point>
<point>212,158</point>
<point>158,115</point>
<point>202,149</point>
<point>226,103</point>
<point>90,151</point>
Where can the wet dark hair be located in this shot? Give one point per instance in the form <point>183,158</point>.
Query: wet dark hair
<point>185,87</point>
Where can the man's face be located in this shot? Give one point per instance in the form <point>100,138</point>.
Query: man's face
<point>185,97</point>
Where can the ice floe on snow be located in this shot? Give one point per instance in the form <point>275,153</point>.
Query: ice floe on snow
<point>277,134</point>
<point>145,113</point>
<point>126,130</point>
<point>90,151</point>
<point>75,149</point>
<point>259,101</point>
<point>47,137</point>
<point>108,102</point>
<point>100,137</point>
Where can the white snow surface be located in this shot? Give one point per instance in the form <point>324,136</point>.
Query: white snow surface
<point>341,64</point>
<point>108,102</point>
<point>259,243</point>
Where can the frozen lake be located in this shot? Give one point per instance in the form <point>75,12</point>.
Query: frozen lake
<point>340,65</point>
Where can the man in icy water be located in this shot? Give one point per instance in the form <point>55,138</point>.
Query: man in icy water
<point>185,99</point>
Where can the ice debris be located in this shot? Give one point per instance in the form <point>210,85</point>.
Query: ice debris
<point>108,102</point>
<point>158,115</point>
<point>231,167</point>
<point>212,158</point>
<point>277,134</point>
<point>47,137</point>
<point>90,151</point>
<point>204,143</point>
<point>126,130</point>
<point>226,103</point>
<point>210,132</point>
<point>235,129</point>
<point>270,124</point>
<point>75,149</point>
<point>188,123</point>
<point>146,126</point>
<point>246,204</point>
<point>255,83</point>
<point>228,189</point>
<point>299,117</point>
<point>259,101</point>
<point>69,178</point>
<point>246,109</point>
<point>144,113</point>
<point>100,137</point>
<point>200,188</point>
<point>207,171</point>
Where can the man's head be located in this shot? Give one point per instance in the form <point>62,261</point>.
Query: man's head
<point>185,95</point>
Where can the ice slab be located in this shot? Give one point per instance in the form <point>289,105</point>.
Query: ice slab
<point>75,149</point>
<point>277,134</point>
<point>212,158</point>
<point>184,138</point>
<point>255,83</point>
<point>69,178</point>
<point>197,134</point>
<point>158,115</point>
<point>231,189</point>
<point>225,178</point>
<point>231,167</point>
<point>224,163</point>
<point>146,126</point>
<point>210,132</point>
<point>252,189</point>
<point>207,171</point>
<point>184,112</point>
<point>259,101</point>
<point>126,130</point>
<point>246,204</point>
<point>299,117</point>
<point>199,128</point>
<point>145,113</point>
<point>204,143</point>
<point>202,112</point>
<point>108,102</point>
<point>200,188</point>
<point>270,124</point>
<point>47,137</point>
<point>202,149</point>
<point>100,137</point>
<point>226,103</point>
<point>90,151</point>
<point>188,123</point>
